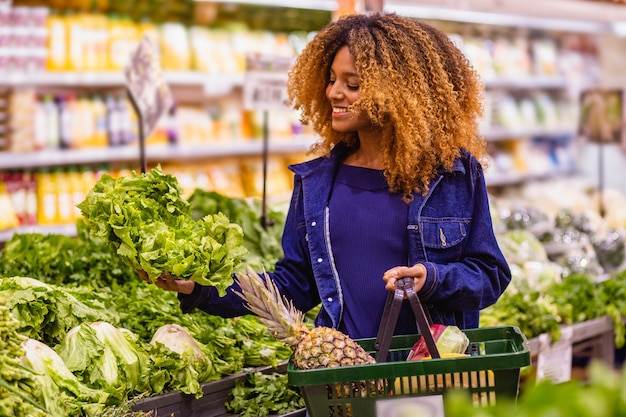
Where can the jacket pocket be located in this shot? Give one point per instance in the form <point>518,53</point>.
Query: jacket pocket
<point>443,239</point>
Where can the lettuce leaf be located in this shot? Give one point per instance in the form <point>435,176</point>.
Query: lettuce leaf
<point>150,225</point>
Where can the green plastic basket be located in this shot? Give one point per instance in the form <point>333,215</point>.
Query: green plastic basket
<point>492,369</point>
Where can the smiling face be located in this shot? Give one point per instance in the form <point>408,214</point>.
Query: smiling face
<point>342,91</point>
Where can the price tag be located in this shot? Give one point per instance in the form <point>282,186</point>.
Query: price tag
<point>147,86</point>
<point>554,362</point>
<point>265,82</point>
<point>422,406</point>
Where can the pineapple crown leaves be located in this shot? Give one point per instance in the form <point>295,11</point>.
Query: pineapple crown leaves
<point>262,297</point>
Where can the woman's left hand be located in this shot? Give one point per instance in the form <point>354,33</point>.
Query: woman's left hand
<point>417,271</point>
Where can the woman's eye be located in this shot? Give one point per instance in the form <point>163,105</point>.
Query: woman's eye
<point>353,87</point>
<point>331,81</point>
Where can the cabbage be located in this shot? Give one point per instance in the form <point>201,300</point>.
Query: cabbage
<point>183,358</point>
<point>104,358</point>
<point>61,392</point>
<point>47,312</point>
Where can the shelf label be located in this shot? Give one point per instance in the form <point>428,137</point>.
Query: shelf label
<point>147,87</point>
<point>423,406</point>
<point>265,82</point>
<point>554,362</point>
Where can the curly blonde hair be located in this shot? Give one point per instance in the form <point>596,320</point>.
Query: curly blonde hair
<point>414,83</point>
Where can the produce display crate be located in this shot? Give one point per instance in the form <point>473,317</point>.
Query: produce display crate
<point>491,369</point>
<point>211,404</point>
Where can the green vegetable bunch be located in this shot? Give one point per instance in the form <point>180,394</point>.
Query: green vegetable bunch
<point>149,223</point>
<point>16,382</point>
<point>602,396</point>
<point>45,312</point>
<point>264,394</point>
<point>263,242</point>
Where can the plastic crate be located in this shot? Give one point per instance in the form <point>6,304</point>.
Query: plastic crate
<point>492,369</point>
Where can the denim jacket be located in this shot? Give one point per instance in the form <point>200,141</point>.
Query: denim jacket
<point>450,232</point>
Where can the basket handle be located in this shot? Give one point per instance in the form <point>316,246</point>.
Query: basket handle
<point>404,287</point>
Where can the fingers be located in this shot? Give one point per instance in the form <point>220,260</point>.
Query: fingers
<point>168,282</point>
<point>392,275</point>
<point>143,275</point>
<point>417,271</point>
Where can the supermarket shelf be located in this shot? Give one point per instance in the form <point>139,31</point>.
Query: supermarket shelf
<point>225,81</point>
<point>154,153</point>
<point>531,82</point>
<point>594,335</point>
<point>562,15</point>
<point>329,5</point>
<point>211,404</point>
<point>503,180</point>
<point>56,229</point>
<point>495,134</point>
<point>212,84</point>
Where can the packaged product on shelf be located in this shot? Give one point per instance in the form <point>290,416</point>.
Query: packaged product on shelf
<point>203,50</point>
<point>175,48</point>
<point>76,190</point>
<point>66,120</point>
<point>99,117</point>
<point>76,39</point>
<point>47,204</point>
<point>5,18</point>
<point>547,115</point>
<point>545,56</point>
<point>123,39</point>
<point>53,140</point>
<point>21,108</point>
<point>4,119</point>
<point>478,52</point>
<point>511,56</point>
<point>65,212</point>
<point>56,44</point>
<point>8,217</point>
<point>225,176</point>
<point>15,186</point>
<point>40,126</point>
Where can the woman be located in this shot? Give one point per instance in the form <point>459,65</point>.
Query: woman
<point>397,190</point>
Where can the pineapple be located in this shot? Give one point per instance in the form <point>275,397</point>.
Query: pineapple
<point>321,347</point>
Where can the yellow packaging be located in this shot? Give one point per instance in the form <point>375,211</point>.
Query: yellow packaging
<point>8,217</point>
<point>65,211</point>
<point>46,198</point>
<point>56,43</point>
<point>175,48</point>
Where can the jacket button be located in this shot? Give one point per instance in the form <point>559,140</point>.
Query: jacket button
<point>313,224</point>
<point>319,260</point>
<point>330,299</point>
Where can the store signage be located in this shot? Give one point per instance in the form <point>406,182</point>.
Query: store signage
<point>554,362</point>
<point>423,406</point>
<point>148,89</point>
<point>265,83</point>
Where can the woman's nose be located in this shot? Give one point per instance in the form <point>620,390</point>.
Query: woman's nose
<point>334,92</point>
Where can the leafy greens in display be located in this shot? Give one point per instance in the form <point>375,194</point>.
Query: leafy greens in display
<point>149,223</point>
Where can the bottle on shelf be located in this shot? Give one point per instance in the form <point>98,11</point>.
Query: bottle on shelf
<point>53,140</point>
<point>114,121</point>
<point>46,198</point>
<point>40,126</point>
<point>66,121</point>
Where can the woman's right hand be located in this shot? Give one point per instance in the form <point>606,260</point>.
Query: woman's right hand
<point>170,283</point>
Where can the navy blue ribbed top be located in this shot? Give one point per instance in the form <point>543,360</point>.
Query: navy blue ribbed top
<point>368,235</point>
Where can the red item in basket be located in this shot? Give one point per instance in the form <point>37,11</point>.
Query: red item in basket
<point>449,339</point>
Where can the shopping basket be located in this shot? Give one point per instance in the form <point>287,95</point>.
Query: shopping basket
<point>491,369</point>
